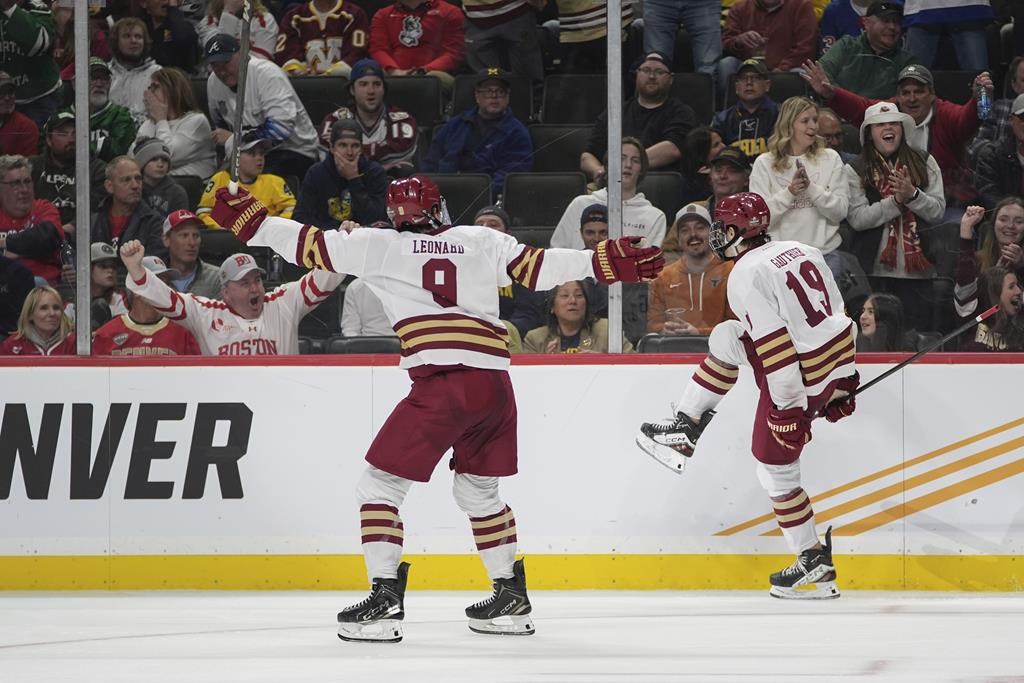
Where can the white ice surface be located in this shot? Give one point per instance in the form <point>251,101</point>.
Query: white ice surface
<point>600,637</point>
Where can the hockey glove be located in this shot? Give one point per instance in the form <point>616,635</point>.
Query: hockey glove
<point>790,427</point>
<point>622,261</point>
<point>843,407</point>
<point>240,213</point>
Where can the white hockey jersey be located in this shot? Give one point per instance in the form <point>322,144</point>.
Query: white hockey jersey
<point>800,336</point>
<point>440,291</point>
<point>222,332</point>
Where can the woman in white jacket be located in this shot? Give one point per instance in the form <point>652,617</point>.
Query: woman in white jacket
<point>639,216</point>
<point>802,181</point>
<point>174,118</point>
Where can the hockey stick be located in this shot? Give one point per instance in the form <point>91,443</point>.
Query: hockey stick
<point>243,73</point>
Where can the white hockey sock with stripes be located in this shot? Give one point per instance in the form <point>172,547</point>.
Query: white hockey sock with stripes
<point>796,519</point>
<point>383,533</point>
<point>495,537</point>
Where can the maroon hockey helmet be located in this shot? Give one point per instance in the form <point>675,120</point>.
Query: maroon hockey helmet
<point>415,203</point>
<point>746,212</point>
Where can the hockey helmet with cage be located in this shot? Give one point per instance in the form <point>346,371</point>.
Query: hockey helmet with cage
<point>746,213</point>
<point>415,203</point>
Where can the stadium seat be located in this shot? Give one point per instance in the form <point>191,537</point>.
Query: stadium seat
<point>324,321</point>
<point>308,345</point>
<point>199,92</point>
<point>217,245</point>
<point>320,95</point>
<point>418,95</point>
<point>541,198</point>
<point>193,186</point>
<point>574,98</point>
<point>697,90</point>
<point>662,188</point>
<point>784,85</point>
<point>955,86</point>
<point>659,343</point>
<point>465,194</point>
<point>521,101</point>
<point>364,345</point>
<point>557,146</point>
<point>533,236</point>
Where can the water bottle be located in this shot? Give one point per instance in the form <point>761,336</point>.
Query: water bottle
<point>276,268</point>
<point>984,104</point>
<point>67,254</point>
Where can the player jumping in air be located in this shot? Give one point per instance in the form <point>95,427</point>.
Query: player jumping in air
<point>439,287</point>
<point>794,334</point>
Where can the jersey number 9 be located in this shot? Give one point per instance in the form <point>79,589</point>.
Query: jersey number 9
<point>439,280</point>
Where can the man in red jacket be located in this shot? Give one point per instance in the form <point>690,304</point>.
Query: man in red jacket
<point>18,133</point>
<point>30,229</point>
<point>417,37</point>
<point>941,128</point>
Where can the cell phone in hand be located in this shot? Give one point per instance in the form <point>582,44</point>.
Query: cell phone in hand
<point>800,170</point>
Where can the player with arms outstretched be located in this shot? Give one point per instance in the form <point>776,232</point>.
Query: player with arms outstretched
<point>793,332</point>
<point>439,287</point>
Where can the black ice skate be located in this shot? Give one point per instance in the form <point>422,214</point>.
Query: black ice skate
<point>811,577</point>
<point>377,619</point>
<point>672,441</point>
<point>507,612</point>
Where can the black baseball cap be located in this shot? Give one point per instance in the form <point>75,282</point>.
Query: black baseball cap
<point>220,48</point>
<point>494,74</point>
<point>882,8</point>
<point>734,156</point>
<point>594,213</point>
<point>757,65</point>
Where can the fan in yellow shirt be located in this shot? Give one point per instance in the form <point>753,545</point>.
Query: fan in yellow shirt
<point>270,189</point>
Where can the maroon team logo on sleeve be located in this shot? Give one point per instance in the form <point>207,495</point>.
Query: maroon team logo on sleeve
<point>217,324</point>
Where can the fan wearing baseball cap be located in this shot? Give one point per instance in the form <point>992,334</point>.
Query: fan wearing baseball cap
<point>182,235</point>
<point>248,321</point>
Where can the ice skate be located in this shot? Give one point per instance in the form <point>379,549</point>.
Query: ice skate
<point>377,619</point>
<point>672,441</point>
<point>811,577</point>
<point>507,611</point>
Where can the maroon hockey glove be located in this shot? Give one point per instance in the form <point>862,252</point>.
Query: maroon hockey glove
<point>622,261</point>
<point>240,213</point>
<point>843,407</point>
<point>790,427</point>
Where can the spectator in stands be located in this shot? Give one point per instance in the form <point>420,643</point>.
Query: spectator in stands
<point>748,123</point>
<point>26,53</point>
<point>29,228</point>
<point>344,187</point>
<point>64,36</point>
<point>158,187</point>
<point>123,216</point>
<point>182,237</point>
<point>689,296</point>
<point>271,107</point>
<point>272,190</point>
<point>802,181</point>
<point>225,16</point>
<point>881,325</point>
<point>486,139</point>
<point>143,330</point>
<point>702,145</point>
<point>653,116</point>
<point>700,18</point>
<point>107,299</point>
<point>53,171</point>
<point>963,20</point>
<point>173,117</point>
<point>362,313</point>
<point>389,133</point>
<point>505,34</point>
<point>782,33</point>
<point>131,66</point>
<point>841,18</point>
<point>571,327</point>
<point>941,128</point>
<point>997,126</point>
<point>111,126</point>
<point>16,281</point>
<point>1004,331</point>
<point>175,42</point>
<point>419,37</point>
<point>830,129</point>
<point>43,329</point>
<point>1002,246</point>
<point>869,64</point>
<point>582,35</point>
<point>730,174</point>
<point>322,37</point>
<point>999,170</point>
<point>895,193</point>
<point>639,216</point>
<point>18,133</point>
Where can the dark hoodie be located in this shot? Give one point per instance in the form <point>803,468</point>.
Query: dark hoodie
<point>55,181</point>
<point>749,131</point>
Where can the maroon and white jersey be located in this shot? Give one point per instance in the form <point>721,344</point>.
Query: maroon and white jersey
<point>122,336</point>
<point>390,141</point>
<point>799,334</point>
<point>222,332</point>
<point>439,291</point>
<point>322,42</point>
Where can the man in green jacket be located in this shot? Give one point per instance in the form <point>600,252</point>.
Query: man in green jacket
<point>868,64</point>
<point>26,53</point>
<point>111,126</point>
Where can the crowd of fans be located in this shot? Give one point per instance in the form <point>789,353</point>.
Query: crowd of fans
<point>912,194</point>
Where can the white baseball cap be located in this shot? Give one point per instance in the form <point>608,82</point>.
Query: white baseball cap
<point>1017,108</point>
<point>236,266</point>
<point>156,265</point>
<point>694,210</point>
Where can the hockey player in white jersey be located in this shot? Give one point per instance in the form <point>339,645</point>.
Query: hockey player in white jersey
<point>793,332</point>
<point>439,288</point>
<point>249,321</point>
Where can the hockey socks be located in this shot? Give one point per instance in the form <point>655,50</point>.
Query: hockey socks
<point>796,519</point>
<point>383,534</point>
<point>709,384</point>
<point>495,538</point>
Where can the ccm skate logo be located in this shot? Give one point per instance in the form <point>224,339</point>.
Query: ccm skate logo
<point>37,448</point>
<point>947,463</point>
